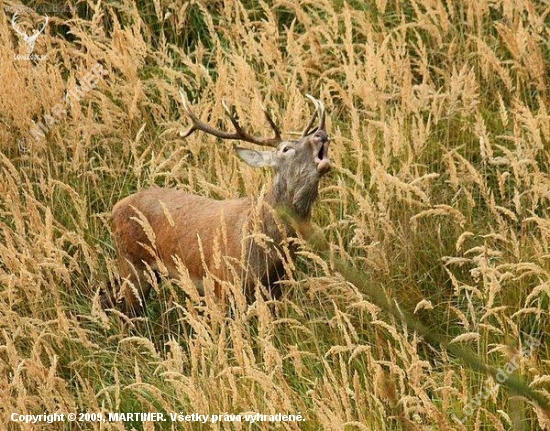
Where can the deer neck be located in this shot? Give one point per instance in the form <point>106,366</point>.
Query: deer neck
<point>297,204</point>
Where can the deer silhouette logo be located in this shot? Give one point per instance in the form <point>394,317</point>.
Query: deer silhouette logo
<point>29,40</point>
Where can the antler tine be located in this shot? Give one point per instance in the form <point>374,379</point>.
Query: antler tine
<point>199,125</point>
<point>321,107</point>
<point>15,25</point>
<point>44,26</point>
<point>276,130</point>
<point>234,120</point>
<point>239,133</point>
<point>243,136</point>
<point>190,113</point>
<point>319,112</point>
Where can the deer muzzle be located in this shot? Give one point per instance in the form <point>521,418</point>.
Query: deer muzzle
<point>320,142</point>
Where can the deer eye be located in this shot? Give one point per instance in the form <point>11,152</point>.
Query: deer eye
<point>286,149</point>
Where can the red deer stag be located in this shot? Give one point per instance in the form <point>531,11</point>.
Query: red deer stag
<point>171,227</point>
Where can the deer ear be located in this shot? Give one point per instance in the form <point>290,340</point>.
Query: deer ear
<point>256,159</point>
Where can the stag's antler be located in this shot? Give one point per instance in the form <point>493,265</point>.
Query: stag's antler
<point>35,35</point>
<point>239,133</point>
<point>16,27</point>
<point>320,112</point>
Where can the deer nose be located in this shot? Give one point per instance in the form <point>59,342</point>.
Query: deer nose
<point>320,136</point>
<point>320,141</point>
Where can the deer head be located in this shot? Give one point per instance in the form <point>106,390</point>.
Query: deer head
<point>298,164</point>
<point>29,40</point>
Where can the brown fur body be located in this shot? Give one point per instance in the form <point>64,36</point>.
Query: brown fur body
<point>190,228</point>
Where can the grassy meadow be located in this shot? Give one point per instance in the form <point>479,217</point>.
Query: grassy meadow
<point>431,269</point>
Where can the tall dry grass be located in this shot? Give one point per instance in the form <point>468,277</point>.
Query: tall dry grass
<point>439,201</point>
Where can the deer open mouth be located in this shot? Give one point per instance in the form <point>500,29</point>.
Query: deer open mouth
<point>321,158</point>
